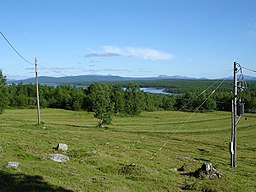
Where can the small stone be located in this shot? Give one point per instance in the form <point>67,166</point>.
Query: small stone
<point>12,165</point>
<point>186,157</point>
<point>133,164</point>
<point>173,169</point>
<point>92,151</point>
<point>57,157</point>
<point>62,147</point>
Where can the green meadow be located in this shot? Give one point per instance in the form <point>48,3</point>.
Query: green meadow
<point>131,154</point>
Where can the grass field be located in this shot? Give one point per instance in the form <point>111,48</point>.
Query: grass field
<point>123,151</point>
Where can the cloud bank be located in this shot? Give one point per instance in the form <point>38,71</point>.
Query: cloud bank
<point>144,53</point>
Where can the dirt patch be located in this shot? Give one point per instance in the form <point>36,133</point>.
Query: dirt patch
<point>131,169</point>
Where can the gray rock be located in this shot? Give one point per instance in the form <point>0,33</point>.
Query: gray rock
<point>12,165</point>
<point>173,169</point>
<point>186,157</point>
<point>62,147</point>
<point>92,151</point>
<point>208,170</point>
<point>57,157</point>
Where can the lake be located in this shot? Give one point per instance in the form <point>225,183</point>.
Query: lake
<point>154,90</point>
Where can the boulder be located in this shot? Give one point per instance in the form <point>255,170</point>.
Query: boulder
<point>12,165</point>
<point>62,147</point>
<point>208,170</point>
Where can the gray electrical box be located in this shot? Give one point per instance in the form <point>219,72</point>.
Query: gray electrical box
<point>240,110</point>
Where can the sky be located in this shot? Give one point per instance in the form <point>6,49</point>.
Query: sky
<point>135,38</point>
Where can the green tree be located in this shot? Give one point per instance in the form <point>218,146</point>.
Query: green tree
<point>77,98</point>
<point>223,101</point>
<point>118,99</point>
<point>62,97</point>
<point>3,93</point>
<point>99,97</point>
<point>134,99</point>
<point>184,102</point>
<point>168,102</point>
<point>19,99</point>
<point>149,102</point>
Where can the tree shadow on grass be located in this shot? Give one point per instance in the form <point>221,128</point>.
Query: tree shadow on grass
<point>26,183</point>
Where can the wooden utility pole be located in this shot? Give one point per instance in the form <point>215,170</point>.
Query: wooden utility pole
<point>37,96</point>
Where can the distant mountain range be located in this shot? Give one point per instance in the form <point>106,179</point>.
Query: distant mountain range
<point>246,78</point>
<point>87,79</point>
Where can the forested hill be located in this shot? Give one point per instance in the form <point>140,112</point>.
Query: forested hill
<point>87,79</point>
<point>83,79</point>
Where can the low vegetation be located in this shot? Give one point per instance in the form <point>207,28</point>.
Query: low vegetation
<point>118,157</point>
<point>145,142</point>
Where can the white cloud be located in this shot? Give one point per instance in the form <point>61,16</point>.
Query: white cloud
<point>113,49</point>
<point>149,54</point>
<point>144,53</point>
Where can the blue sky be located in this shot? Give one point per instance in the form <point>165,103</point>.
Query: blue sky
<point>135,38</point>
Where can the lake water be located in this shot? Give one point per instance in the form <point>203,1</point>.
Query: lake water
<point>154,90</point>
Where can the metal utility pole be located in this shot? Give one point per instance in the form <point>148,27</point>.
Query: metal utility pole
<point>37,96</point>
<point>237,112</point>
<point>234,116</point>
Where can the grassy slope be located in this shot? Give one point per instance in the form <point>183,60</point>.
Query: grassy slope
<point>204,137</point>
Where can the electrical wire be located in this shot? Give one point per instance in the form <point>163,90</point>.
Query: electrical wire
<point>60,73</point>
<point>182,125</point>
<point>15,49</point>
<point>248,69</point>
<point>183,107</point>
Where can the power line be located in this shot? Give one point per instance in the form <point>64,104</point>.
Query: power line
<point>184,106</point>
<point>60,73</point>
<point>248,69</point>
<point>15,49</point>
<point>156,153</point>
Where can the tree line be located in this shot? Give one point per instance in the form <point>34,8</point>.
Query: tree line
<point>107,100</point>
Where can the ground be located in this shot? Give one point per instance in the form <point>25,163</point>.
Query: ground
<point>131,154</point>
